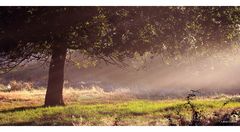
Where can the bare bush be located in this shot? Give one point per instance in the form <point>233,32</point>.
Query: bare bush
<point>19,85</point>
<point>2,86</point>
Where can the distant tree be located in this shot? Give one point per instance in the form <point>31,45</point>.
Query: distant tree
<point>112,34</point>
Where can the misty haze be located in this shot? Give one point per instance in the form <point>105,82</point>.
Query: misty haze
<point>153,79</point>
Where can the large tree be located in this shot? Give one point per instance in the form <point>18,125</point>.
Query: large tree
<point>112,34</point>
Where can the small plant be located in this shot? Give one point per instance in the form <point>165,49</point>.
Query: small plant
<point>196,115</point>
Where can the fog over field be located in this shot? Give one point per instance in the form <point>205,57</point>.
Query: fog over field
<point>218,73</point>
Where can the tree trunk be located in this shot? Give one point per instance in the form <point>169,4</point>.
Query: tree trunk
<point>54,95</point>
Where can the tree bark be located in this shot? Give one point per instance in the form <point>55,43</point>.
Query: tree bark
<point>54,94</point>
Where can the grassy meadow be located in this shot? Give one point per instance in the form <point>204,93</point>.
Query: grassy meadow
<point>94,107</point>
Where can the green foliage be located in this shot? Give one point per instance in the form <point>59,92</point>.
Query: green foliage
<point>114,33</point>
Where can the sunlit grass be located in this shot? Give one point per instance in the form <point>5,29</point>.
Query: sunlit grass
<point>101,110</point>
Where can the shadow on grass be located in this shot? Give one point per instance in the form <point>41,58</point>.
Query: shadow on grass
<point>21,109</point>
<point>20,124</point>
<point>33,123</point>
<point>38,122</point>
